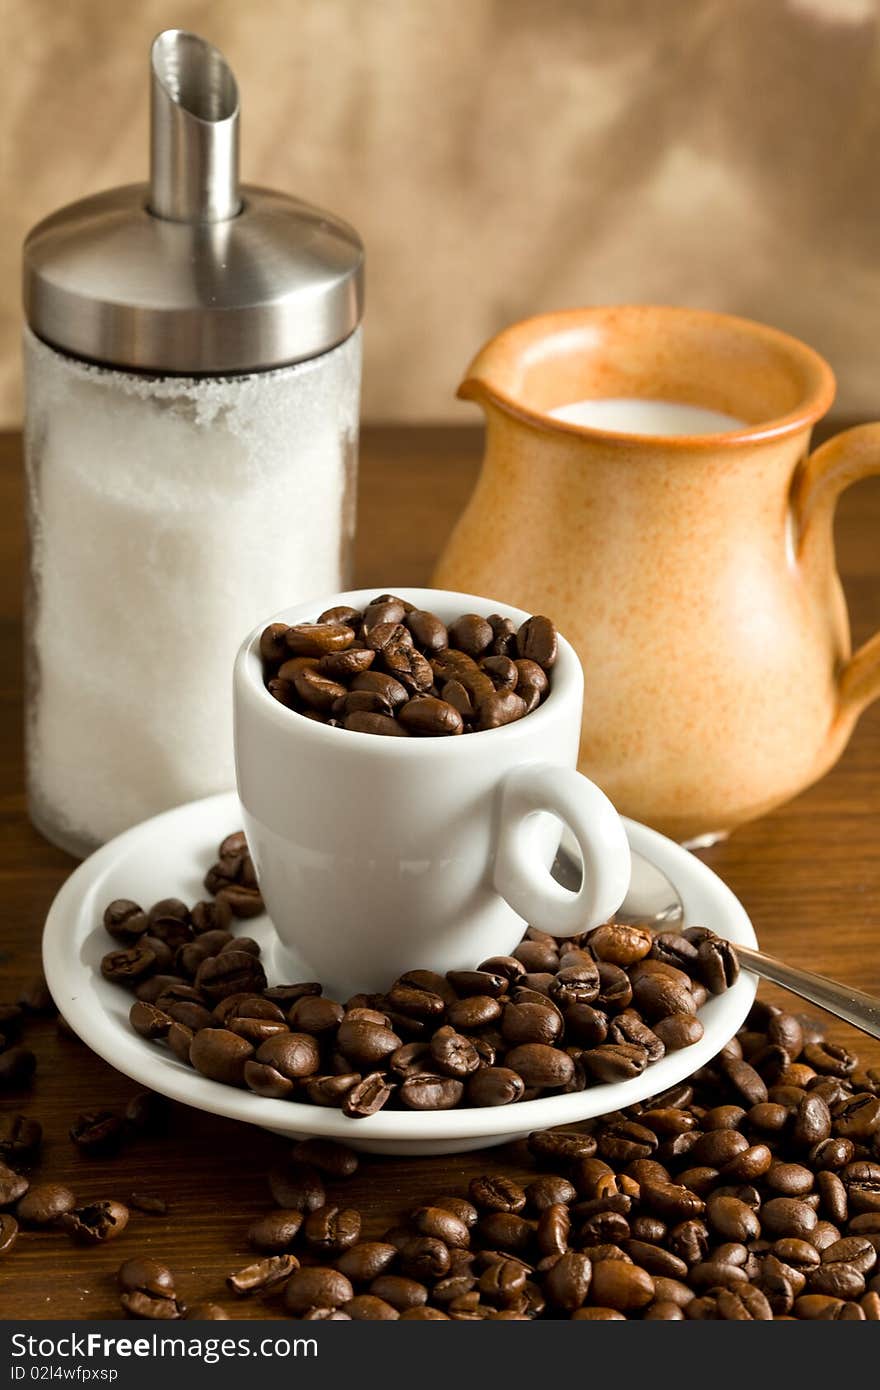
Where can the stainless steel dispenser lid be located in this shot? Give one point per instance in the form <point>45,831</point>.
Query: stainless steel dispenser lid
<point>191,273</point>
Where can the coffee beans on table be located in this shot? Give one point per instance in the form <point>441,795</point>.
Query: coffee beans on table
<point>687,1206</point>
<point>399,671</point>
<point>556,1016</point>
<point>700,1203</point>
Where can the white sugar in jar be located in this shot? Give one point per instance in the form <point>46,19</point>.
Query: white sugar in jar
<point>193,364</point>
<point>166,516</point>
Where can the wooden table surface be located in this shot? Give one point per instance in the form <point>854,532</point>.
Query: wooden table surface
<point>809,875</point>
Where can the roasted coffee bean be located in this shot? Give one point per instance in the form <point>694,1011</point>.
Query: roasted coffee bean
<point>329,1157</point>
<point>717,964</point>
<point>273,643</point>
<point>537,641</point>
<point>549,1190</point>
<point>148,1203</point>
<point>274,1233</point>
<point>148,1020</point>
<point>13,1185</point>
<point>441,1224</point>
<point>620,1285</point>
<point>95,1223</point>
<point>553,1229</point>
<point>417,1003</point>
<point>788,1179</point>
<point>540,1065</point>
<point>8,1232</point>
<point>478,983</point>
<point>179,1039</point>
<point>330,1091</point>
<point>470,634</point>
<point>538,955</point>
<point>297,1186</point>
<point>501,671</point>
<point>125,920</point>
<point>316,1287</point>
<point>531,683</point>
<point>578,983</point>
<point>294,1055</point>
<point>500,708</point>
<point>366,1097</point>
<point>615,1061</point>
<point>568,1281</point>
<point>506,1231</point>
<point>401,1293</point>
<point>424,1258</point>
<point>560,1146</point>
<point>671,1201</point>
<point>732,1219</point>
<point>20,1138</point>
<point>620,944</point>
<point>232,972</point>
<point>344,666</point>
<point>750,1164</point>
<point>495,1192</point>
<point>604,1228</point>
<point>367,1307</point>
<point>655,1259</point>
<point>861,1179</point>
<point>42,1204</point>
<point>98,1132</point>
<point>494,1086</point>
<point>427,630</point>
<point>386,687</point>
<point>365,1043</point>
<point>829,1059</point>
<point>215,915</point>
<point>365,722</point>
<point>430,717</point>
<point>531,1023</point>
<point>314,1014</point>
<point>856,1251</point>
<point>128,966</point>
<point>221,1055</point>
<point>365,1261</point>
<point>35,998</point>
<point>316,639</point>
<point>858,1118</point>
<point>833,1198</point>
<point>425,1091</point>
<point>330,1229</point>
<point>452,1054</point>
<point>678,1031</point>
<point>787,1216</point>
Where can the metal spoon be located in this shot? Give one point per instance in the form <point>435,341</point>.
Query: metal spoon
<point>653,901</point>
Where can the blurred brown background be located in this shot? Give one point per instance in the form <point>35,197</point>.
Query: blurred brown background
<point>501,157</point>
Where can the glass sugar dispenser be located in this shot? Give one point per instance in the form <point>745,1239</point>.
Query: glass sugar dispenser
<point>193,358</point>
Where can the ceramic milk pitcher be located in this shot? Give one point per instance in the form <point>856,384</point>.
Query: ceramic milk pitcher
<point>693,571</point>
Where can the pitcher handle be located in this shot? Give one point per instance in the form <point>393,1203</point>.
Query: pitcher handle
<point>846,459</point>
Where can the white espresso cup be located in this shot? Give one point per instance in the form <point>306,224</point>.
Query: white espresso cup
<point>376,855</point>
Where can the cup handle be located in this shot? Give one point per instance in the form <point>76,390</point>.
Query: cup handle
<point>521,874</point>
<point>846,459</point>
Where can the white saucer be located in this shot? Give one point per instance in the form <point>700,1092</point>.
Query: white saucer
<point>168,856</point>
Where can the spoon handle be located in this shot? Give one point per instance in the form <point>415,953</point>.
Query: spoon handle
<point>862,1010</point>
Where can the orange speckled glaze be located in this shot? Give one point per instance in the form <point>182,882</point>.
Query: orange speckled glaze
<point>694,575</point>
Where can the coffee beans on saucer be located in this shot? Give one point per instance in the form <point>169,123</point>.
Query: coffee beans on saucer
<point>397,670</point>
<point>555,1017</point>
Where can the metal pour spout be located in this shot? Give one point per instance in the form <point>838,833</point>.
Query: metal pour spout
<point>194,131</point>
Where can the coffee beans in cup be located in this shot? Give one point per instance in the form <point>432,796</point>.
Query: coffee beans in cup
<point>398,670</point>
